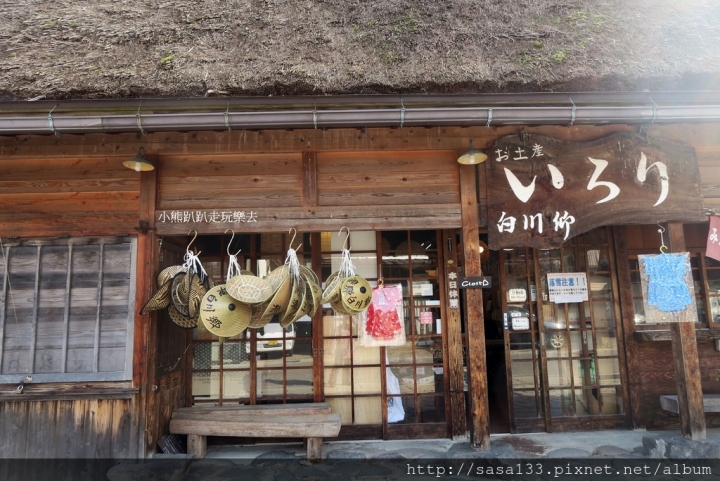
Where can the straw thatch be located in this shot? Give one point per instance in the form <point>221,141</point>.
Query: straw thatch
<point>189,48</point>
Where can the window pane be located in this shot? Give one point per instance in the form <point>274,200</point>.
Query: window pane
<point>609,371</point>
<point>368,410</point>
<point>342,406</point>
<point>523,375</point>
<point>235,355</point>
<point>366,380</point>
<point>336,352</point>
<point>527,405</point>
<point>603,314</point>
<point>206,355</point>
<point>600,286</point>
<point>607,343</point>
<point>432,409</point>
<point>584,372</point>
<point>558,372</point>
<point>269,382</point>
<point>612,400</point>
<point>587,402</point>
<point>299,382</point>
<point>337,381</point>
<point>236,385</point>
<point>206,385</point>
<point>365,355</point>
<point>561,403</point>
<point>400,354</point>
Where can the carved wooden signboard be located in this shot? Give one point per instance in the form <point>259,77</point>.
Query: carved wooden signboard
<point>544,191</point>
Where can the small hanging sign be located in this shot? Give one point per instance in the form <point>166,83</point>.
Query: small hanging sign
<point>713,241</point>
<point>568,287</point>
<point>480,282</point>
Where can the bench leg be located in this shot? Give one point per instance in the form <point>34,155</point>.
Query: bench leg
<point>197,445</point>
<point>314,449</point>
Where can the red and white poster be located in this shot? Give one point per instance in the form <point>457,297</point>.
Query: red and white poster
<point>713,240</point>
<point>426,317</point>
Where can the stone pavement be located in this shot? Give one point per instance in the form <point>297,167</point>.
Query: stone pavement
<point>389,460</point>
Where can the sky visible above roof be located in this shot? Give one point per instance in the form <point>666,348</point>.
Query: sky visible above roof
<point>196,48</point>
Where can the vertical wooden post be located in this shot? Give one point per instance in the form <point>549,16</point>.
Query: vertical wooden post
<point>474,312</point>
<point>685,360</point>
<point>455,372</point>
<point>625,325</point>
<point>144,343</point>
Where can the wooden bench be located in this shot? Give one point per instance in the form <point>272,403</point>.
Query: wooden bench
<point>711,403</point>
<point>312,421</point>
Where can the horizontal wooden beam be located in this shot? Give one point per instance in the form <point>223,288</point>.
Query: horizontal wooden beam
<point>441,216</point>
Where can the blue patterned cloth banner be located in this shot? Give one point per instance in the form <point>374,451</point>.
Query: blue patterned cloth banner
<point>667,290</point>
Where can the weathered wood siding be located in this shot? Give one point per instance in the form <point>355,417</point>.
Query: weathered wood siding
<point>67,196</point>
<point>82,428</point>
<point>318,191</point>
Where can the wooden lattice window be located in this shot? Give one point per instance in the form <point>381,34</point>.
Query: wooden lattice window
<point>66,309</point>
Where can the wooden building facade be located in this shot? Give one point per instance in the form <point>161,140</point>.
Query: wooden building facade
<point>84,239</point>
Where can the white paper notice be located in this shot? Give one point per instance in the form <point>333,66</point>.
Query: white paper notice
<point>568,287</point>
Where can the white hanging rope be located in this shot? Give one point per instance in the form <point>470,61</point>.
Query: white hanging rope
<point>233,268</point>
<point>347,269</point>
<point>192,261</point>
<point>293,263</point>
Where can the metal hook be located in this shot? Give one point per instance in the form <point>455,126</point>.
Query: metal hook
<point>346,237</point>
<point>229,243</point>
<point>294,233</point>
<point>187,249</point>
<point>402,113</point>
<point>661,230</point>
<point>51,123</point>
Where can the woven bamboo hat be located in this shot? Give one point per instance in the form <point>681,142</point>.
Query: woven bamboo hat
<point>315,296</point>
<point>249,289</point>
<point>161,298</point>
<point>280,301</point>
<point>222,315</point>
<point>167,274</point>
<point>277,276</point>
<point>309,274</point>
<point>257,320</point>
<point>303,306</point>
<point>338,307</point>
<point>356,294</point>
<point>180,320</point>
<point>296,299</point>
<point>186,293</point>
<point>332,288</point>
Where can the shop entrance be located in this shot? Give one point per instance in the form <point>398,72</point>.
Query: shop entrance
<point>563,369</point>
<point>382,392</point>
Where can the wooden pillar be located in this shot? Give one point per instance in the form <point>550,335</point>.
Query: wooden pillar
<point>456,376</point>
<point>627,310</point>
<point>474,312</point>
<point>144,342</point>
<point>685,360</point>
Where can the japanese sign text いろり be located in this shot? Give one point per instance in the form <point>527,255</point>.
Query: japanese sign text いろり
<point>544,191</point>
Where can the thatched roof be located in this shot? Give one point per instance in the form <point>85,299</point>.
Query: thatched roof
<point>190,48</point>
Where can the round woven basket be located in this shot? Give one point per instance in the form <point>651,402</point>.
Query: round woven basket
<point>223,315</point>
<point>249,289</point>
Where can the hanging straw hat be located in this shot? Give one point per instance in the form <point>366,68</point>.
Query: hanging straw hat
<point>332,288</point>
<point>356,294</point>
<point>186,293</point>
<point>222,315</point>
<point>309,274</point>
<point>161,298</point>
<point>338,307</point>
<point>303,306</point>
<point>179,294</point>
<point>167,274</point>
<point>180,320</point>
<point>280,301</point>
<point>315,296</point>
<point>257,320</point>
<point>249,289</point>
<point>296,299</point>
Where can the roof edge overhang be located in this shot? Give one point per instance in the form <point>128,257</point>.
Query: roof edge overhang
<point>259,113</point>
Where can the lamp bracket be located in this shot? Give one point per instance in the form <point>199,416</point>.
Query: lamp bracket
<point>138,120</point>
